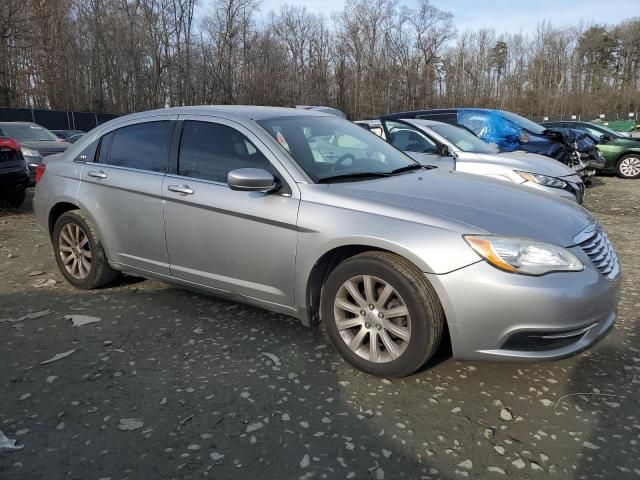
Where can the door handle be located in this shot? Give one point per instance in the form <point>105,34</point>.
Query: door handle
<point>181,189</point>
<point>97,174</point>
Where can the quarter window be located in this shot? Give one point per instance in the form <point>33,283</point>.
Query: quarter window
<point>209,151</point>
<point>144,146</point>
<point>89,153</point>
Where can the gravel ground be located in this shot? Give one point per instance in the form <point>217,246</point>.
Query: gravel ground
<point>171,384</point>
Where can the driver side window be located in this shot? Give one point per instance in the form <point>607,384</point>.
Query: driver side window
<point>410,139</point>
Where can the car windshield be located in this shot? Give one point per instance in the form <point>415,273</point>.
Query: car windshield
<point>28,133</point>
<point>533,127</point>
<point>465,141</point>
<point>606,130</point>
<point>329,148</point>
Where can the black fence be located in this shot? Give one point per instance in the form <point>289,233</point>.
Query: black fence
<point>56,119</point>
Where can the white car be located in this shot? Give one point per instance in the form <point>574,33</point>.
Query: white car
<point>454,148</point>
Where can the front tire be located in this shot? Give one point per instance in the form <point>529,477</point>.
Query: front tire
<point>381,314</point>
<point>79,253</point>
<point>628,166</point>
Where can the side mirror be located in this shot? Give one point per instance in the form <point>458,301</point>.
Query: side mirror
<point>605,138</point>
<point>251,180</point>
<point>443,150</point>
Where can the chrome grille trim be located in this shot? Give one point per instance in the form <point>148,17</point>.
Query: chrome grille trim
<point>594,242</point>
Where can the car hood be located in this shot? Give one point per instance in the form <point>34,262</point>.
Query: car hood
<point>47,147</point>
<point>520,160</point>
<point>491,206</point>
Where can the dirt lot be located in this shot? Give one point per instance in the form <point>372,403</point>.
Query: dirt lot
<point>196,371</point>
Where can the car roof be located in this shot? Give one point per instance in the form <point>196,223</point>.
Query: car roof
<point>19,123</point>
<point>423,121</point>
<point>252,112</point>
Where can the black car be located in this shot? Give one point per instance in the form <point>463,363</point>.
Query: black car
<point>14,176</point>
<point>511,132</point>
<point>35,142</point>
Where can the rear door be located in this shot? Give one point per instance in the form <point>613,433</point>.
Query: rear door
<point>121,189</point>
<point>240,242</point>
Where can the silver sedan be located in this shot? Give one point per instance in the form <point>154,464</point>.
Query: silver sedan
<point>248,203</point>
<point>455,148</point>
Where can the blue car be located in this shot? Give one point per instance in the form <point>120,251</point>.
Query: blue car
<point>511,132</point>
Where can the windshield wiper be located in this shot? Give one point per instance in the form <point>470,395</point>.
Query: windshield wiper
<point>354,175</point>
<point>407,168</point>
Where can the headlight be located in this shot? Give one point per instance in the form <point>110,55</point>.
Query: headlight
<point>520,255</point>
<point>542,179</point>
<point>28,152</point>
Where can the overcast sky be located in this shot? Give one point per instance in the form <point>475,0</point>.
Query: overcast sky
<point>503,15</point>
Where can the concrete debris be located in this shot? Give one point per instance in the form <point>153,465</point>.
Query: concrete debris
<point>58,356</point>
<point>272,357</point>
<point>80,320</point>
<point>130,423</point>
<point>8,445</point>
<point>44,282</point>
<point>28,316</point>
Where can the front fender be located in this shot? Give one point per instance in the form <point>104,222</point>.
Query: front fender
<point>323,228</point>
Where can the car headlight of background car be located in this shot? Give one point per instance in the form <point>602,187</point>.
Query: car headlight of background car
<point>524,256</point>
<point>31,156</point>
<point>544,180</point>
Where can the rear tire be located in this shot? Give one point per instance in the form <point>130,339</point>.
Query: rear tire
<point>79,252</point>
<point>392,286</point>
<point>16,199</point>
<point>628,166</point>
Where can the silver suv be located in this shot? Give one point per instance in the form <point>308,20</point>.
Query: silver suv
<point>310,215</point>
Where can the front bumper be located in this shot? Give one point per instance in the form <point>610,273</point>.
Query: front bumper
<point>494,315</point>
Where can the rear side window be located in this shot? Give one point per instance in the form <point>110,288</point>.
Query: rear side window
<point>209,151</point>
<point>144,146</point>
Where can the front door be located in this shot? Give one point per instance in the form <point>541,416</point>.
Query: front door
<point>240,242</point>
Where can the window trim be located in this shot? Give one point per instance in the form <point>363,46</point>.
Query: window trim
<point>172,119</point>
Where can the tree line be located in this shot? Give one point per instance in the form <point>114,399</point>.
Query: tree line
<point>374,56</point>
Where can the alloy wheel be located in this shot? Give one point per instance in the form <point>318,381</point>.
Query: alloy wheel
<point>372,318</point>
<point>630,166</point>
<point>75,251</point>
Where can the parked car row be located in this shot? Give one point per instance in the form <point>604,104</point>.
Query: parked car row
<point>36,142</point>
<point>301,212</point>
<point>444,145</point>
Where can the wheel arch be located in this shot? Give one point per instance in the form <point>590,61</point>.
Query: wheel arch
<point>326,263</point>
<point>56,211</point>
<point>67,206</point>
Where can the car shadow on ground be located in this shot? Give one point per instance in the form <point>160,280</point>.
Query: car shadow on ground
<point>223,389</point>
<point>605,383</point>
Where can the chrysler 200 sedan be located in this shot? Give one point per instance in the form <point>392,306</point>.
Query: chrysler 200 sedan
<point>386,253</point>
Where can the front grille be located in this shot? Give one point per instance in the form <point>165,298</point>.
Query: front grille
<point>598,247</point>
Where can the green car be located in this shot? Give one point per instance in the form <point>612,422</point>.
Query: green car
<point>621,152</point>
